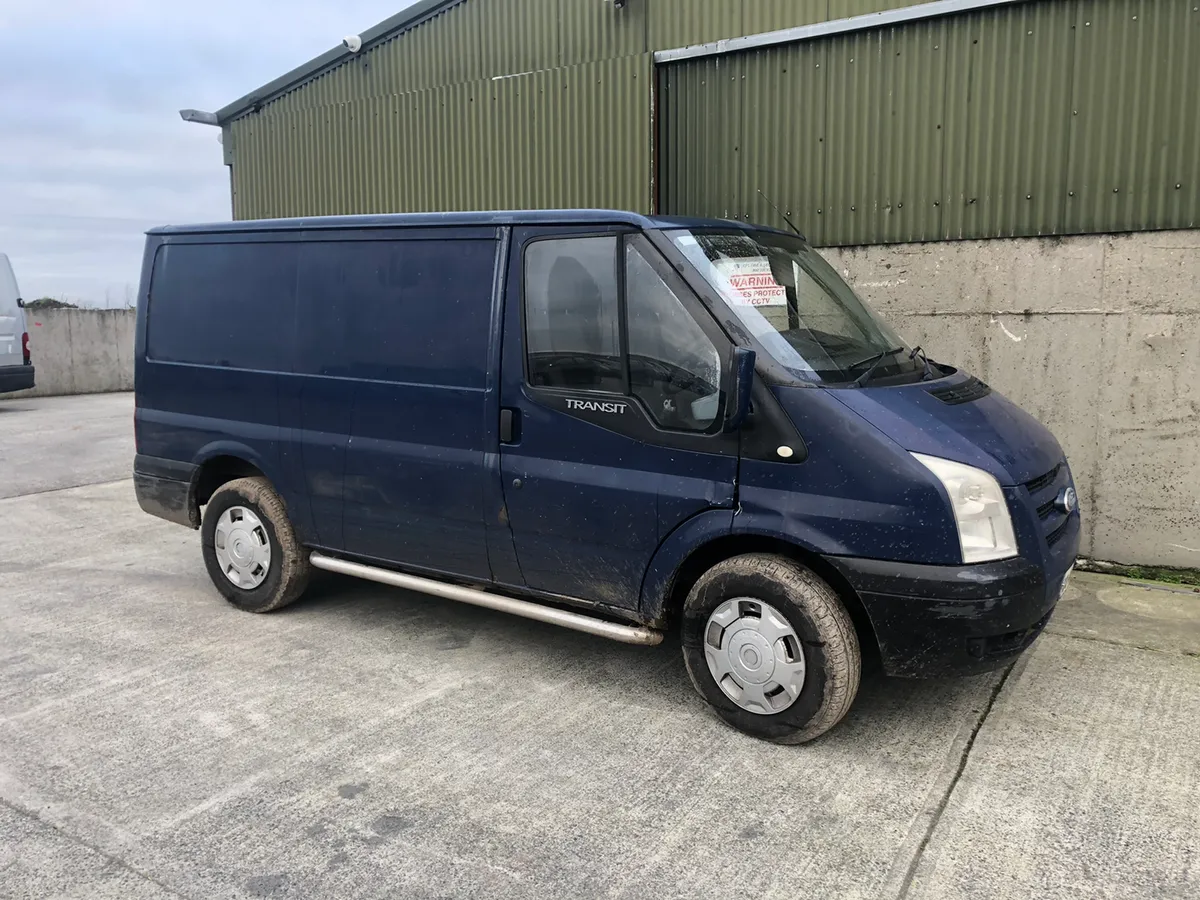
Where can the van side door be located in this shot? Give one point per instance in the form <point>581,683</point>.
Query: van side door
<point>396,359</point>
<point>611,410</point>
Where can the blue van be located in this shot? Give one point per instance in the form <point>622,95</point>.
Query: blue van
<point>602,420</point>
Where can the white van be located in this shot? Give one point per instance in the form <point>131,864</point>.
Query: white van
<point>16,368</point>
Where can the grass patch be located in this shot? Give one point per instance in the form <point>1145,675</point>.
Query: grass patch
<point>1164,574</point>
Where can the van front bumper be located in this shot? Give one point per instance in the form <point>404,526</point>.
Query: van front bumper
<point>15,378</point>
<point>952,620</point>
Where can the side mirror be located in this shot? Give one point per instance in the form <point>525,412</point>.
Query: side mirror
<point>741,382</point>
<point>20,303</point>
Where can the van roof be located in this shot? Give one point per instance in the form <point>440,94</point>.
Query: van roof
<point>429,220</point>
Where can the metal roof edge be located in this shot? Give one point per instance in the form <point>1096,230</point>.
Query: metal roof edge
<point>461,218</point>
<point>402,21</point>
<point>825,29</point>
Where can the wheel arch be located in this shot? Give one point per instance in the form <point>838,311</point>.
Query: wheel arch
<point>719,548</point>
<point>220,465</point>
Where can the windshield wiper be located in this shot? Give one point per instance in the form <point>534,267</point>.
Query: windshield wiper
<point>927,375</point>
<point>874,364</point>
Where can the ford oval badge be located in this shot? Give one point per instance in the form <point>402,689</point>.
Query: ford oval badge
<point>1067,500</point>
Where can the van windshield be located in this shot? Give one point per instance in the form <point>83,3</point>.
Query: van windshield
<point>796,305</point>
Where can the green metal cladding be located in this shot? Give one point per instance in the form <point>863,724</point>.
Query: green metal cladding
<point>1036,118</point>
<point>570,137</point>
<point>1041,118</point>
<point>486,104</point>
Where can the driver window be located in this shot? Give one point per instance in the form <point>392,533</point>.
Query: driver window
<point>674,369</point>
<point>571,329</point>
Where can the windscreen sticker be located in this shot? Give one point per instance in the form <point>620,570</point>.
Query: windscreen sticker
<point>751,282</point>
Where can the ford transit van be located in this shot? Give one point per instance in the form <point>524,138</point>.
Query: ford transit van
<point>16,366</point>
<point>605,421</point>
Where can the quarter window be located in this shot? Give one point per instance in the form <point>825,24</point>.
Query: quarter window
<point>674,369</point>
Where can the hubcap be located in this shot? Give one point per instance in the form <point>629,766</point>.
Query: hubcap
<point>243,548</point>
<point>754,655</point>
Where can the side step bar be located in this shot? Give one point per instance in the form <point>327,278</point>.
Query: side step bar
<point>626,634</point>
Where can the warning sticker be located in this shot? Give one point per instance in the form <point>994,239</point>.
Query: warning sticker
<point>752,282</point>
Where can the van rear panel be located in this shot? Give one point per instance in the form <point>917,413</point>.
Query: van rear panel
<point>16,369</point>
<point>349,367</point>
<point>210,339</point>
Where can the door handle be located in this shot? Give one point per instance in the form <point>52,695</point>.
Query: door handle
<point>508,425</point>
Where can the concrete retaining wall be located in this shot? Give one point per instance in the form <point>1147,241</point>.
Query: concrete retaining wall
<point>1099,337</point>
<point>80,351</point>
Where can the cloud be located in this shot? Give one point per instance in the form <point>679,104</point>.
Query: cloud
<point>92,150</point>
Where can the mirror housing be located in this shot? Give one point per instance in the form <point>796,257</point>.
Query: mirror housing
<point>741,378</point>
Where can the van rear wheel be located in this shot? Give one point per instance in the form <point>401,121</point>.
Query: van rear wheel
<point>249,548</point>
<point>771,648</point>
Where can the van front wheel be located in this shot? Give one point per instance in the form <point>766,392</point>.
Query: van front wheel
<point>250,549</point>
<point>771,648</point>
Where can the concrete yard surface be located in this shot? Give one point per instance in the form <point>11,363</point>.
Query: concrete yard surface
<point>51,443</point>
<point>157,743</point>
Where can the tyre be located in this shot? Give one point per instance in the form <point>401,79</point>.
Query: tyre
<point>771,648</point>
<point>250,549</point>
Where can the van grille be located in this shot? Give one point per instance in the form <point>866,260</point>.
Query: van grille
<point>1039,483</point>
<point>1044,491</point>
<point>1057,534</point>
<point>971,389</point>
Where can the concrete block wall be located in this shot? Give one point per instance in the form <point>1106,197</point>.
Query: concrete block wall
<point>80,351</point>
<point>1097,336</point>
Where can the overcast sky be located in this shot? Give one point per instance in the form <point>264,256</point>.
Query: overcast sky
<point>92,149</point>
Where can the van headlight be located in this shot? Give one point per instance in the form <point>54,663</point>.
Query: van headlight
<point>985,530</point>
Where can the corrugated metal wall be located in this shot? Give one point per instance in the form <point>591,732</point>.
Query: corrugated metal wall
<point>1134,158</point>
<point>425,120</point>
<point>1048,117</point>
<point>576,136</point>
<point>475,39</point>
<point>1051,117</point>
<point>680,23</point>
